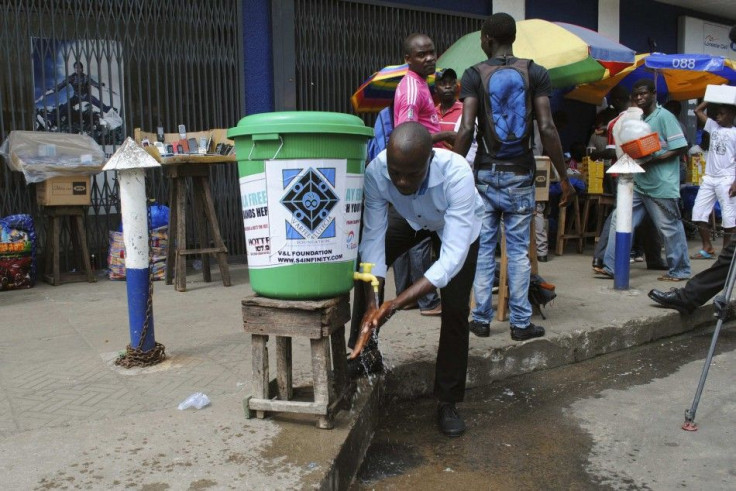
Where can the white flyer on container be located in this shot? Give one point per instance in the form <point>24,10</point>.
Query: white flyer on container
<point>301,211</point>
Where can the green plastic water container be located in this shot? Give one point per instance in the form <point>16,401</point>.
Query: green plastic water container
<point>301,186</point>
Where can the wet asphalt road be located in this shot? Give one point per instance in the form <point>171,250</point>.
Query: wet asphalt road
<point>608,423</point>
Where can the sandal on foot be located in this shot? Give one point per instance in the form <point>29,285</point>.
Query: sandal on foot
<point>667,277</point>
<point>602,272</point>
<point>703,254</point>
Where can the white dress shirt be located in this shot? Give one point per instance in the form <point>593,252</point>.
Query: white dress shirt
<point>446,202</point>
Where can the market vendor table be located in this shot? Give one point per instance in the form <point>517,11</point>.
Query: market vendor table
<point>179,168</point>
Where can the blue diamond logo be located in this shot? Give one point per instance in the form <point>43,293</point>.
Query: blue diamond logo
<point>310,199</point>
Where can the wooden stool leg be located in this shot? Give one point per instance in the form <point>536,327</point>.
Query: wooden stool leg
<point>599,219</point>
<point>48,269</point>
<point>578,230</point>
<point>320,376</point>
<point>283,368</point>
<point>200,224</point>
<point>503,287</point>
<point>181,235</point>
<point>586,219</point>
<point>259,363</point>
<point>209,209</point>
<point>561,225</point>
<point>340,362</point>
<point>82,239</point>
<point>533,247</point>
<point>55,246</point>
<point>173,216</point>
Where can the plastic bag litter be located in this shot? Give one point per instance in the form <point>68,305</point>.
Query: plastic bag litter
<point>196,400</point>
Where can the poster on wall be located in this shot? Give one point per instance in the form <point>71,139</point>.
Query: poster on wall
<point>77,87</point>
<point>700,36</point>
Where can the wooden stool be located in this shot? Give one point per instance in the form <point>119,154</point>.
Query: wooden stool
<point>78,237</point>
<point>603,204</point>
<point>204,217</point>
<point>323,322</point>
<point>569,231</point>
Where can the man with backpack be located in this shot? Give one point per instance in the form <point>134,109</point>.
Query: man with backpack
<point>506,93</point>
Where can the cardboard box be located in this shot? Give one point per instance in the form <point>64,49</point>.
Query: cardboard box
<point>720,94</point>
<point>541,178</point>
<point>65,190</point>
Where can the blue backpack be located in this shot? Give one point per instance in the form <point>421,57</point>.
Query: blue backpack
<point>508,108</point>
<point>381,131</point>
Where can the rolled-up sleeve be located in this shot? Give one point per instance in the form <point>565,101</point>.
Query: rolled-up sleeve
<point>375,222</point>
<point>459,232</point>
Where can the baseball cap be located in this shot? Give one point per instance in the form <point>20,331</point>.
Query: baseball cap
<point>445,73</point>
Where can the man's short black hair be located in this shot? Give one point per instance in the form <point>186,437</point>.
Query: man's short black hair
<point>78,63</point>
<point>501,27</point>
<point>409,39</point>
<point>645,82</point>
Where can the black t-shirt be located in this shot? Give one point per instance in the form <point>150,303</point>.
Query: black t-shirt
<point>472,86</point>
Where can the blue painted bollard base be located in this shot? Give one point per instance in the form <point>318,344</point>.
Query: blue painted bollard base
<point>137,285</point>
<point>622,266</point>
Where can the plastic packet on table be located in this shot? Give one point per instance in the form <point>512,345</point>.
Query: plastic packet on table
<point>41,155</point>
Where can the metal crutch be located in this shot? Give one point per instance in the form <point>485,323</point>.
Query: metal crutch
<point>721,307</point>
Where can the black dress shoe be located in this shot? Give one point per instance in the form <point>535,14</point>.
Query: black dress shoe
<point>480,329</point>
<point>671,300</point>
<point>542,259</point>
<point>658,267</point>
<point>529,332</point>
<point>368,361</point>
<point>450,422</point>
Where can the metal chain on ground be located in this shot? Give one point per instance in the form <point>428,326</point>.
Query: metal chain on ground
<point>136,357</point>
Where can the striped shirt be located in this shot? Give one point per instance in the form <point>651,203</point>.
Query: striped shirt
<point>413,102</point>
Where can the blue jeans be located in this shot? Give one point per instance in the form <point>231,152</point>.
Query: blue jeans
<point>665,213</point>
<point>509,197</point>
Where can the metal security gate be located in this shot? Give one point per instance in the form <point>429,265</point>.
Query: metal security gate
<point>147,63</point>
<point>339,43</point>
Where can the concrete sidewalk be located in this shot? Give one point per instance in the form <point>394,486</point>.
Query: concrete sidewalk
<point>70,418</point>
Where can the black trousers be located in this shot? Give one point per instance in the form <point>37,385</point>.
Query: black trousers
<point>710,282</point>
<point>452,354</point>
